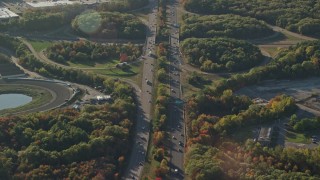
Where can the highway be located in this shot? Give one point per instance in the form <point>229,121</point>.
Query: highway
<point>176,120</point>
<point>144,99</point>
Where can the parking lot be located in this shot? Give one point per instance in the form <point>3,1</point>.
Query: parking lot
<point>306,92</point>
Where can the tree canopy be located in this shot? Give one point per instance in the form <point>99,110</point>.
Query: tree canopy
<point>66,143</point>
<point>85,51</point>
<point>295,15</point>
<point>43,19</point>
<point>220,54</point>
<point>232,26</point>
<point>215,115</point>
<point>109,25</point>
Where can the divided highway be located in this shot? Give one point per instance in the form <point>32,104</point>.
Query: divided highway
<point>144,99</point>
<point>176,120</point>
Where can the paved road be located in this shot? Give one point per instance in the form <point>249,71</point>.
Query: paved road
<point>92,93</point>
<point>176,121</point>
<point>144,98</point>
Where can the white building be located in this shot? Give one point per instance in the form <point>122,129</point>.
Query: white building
<point>6,14</point>
<point>103,98</point>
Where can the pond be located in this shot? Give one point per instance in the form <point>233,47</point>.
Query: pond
<point>13,100</point>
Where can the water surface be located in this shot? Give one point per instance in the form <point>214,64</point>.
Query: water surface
<point>13,100</point>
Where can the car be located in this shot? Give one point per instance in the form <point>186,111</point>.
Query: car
<point>176,170</point>
<point>180,150</point>
<point>173,137</point>
<point>179,126</point>
<point>149,101</point>
<point>180,143</point>
<point>172,90</point>
<point>181,134</point>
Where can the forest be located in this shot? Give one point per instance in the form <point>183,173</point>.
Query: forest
<point>215,116</point>
<point>109,25</point>
<point>85,51</point>
<point>43,19</point>
<point>232,26</point>
<point>121,6</point>
<point>298,16</point>
<point>299,61</point>
<point>220,54</point>
<point>163,29</point>
<point>67,143</point>
<point>60,144</point>
<point>112,24</point>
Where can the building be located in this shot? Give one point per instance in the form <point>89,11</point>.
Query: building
<point>265,136</point>
<point>52,3</point>
<point>260,101</point>
<point>43,4</point>
<point>103,98</point>
<point>6,15</point>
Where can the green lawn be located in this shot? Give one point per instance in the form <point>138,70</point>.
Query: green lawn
<point>297,137</point>
<point>142,14</point>
<point>292,38</point>
<point>94,64</point>
<point>273,51</point>
<point>132,70</point>
<point>39,45</point>
<point>188,89</point>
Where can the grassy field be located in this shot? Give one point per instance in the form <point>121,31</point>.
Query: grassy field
<point>188,89</point>
<point>39,97</point>
<point>273,51</point>
<point>132,70</point>
<point>40,45</point>
<point>297,137</point>
<point>94,64</point>
<point>142,14</point>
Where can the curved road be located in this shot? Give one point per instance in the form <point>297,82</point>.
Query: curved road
<point>59,92</point>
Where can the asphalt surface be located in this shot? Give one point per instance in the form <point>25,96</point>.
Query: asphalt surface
<point>176,120</point>
<point>144,99</point>
<point>60,92</point>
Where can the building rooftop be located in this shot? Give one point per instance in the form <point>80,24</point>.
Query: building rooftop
<point>103,98</point>
<point>51,3</point>
<point>5,13</point>
<point>265,134</point>
<point>36,4</point>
